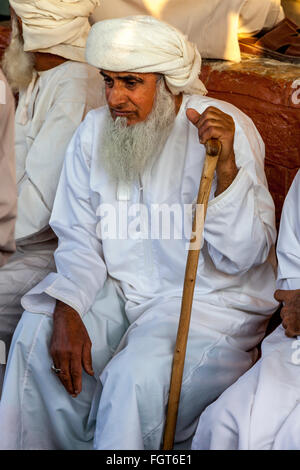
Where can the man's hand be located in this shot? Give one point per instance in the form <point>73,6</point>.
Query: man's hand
<point>213,123</point>
<point>70,348</point>
<point>290,312</point>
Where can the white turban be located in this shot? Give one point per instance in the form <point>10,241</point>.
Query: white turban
<point>56,26</point>
<point>143,44</point>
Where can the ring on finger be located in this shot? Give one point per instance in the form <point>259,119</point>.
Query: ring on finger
<point>55,370</point>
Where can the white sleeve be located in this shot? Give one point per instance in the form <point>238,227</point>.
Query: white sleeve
<point>288,246</point>
<point>240,223</point>
<point>43,166</point>
<point>81,271</point>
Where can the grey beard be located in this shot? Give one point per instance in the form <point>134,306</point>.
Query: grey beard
<point>18,65</point>
<point>127,150</point>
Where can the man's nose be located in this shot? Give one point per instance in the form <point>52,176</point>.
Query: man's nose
<point>116,96</point>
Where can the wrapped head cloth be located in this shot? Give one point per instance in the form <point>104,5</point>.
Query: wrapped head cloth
<point>55,26</point>
<point>143,44</point>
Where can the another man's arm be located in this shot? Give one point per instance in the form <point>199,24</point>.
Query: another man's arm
<point>8,189</point>
<point>240,222</point>
<point>288,253</point>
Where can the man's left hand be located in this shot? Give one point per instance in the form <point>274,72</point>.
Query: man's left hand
<point>290,312</point>
<point>213,123</point>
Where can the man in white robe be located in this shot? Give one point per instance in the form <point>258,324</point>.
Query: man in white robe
<point>57,88</point>
<point>261,411</point>
<point>139,155</point>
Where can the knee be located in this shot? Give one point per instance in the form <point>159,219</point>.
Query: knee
<point>141,371</point>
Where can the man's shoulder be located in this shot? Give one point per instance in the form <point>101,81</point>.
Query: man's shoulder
<point>200,103</point>
<point>93,120</point>
<point>74,82</point>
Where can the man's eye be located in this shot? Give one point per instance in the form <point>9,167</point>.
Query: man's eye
<point>131,84</point>
<point>108,82</point>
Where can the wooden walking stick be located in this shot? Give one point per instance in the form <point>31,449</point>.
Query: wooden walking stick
<point>213,150</point>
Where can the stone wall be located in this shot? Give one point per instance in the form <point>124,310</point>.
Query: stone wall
<point>269,92</point>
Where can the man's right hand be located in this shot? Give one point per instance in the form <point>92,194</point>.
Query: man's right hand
<point>70,348</point>
<point>290,312</point>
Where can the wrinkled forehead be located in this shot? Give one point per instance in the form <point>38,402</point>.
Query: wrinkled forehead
<point>142,77</point>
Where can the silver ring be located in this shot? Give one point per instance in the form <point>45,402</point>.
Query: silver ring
<point>57,371</point>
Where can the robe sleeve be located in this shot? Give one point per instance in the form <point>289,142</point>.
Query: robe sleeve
<point>240,223</point>
<point>288,246</point>
<point>44,164</point>
<point>8,189</point>
<point>81,271</point>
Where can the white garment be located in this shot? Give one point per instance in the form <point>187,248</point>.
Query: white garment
<point>143,44</point>
<point>55,26</point>
<point>261,410</point>
<point>26,268</point>
<point>212,25</point>
<point>59,101</point>
<point>35,410</point>
<point>230,309</point>
<point>8,189</point>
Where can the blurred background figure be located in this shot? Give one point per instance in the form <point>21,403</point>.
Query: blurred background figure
<point>45,65</point>
<point>8,190</point>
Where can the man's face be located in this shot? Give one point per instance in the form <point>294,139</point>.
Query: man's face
<point>130,95</point>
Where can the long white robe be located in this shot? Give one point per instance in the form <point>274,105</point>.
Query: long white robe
<point>212,25</point>
<point>231,307</point>
<point>261,411</point>
<point>54,108</point>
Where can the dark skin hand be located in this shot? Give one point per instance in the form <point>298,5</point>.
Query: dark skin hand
<point>70,348</point>
<point>213,123</point>
<point>290,312</point>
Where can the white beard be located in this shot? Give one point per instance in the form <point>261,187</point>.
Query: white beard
<point>18,66</point>
<point>128,150</point>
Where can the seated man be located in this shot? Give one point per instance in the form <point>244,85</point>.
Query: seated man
<point>8,193</point>
<point>261,411</point>
<point>57,89</point>
<point>131,164</point>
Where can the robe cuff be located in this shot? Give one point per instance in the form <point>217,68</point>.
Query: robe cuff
<point>288,284</point>
<point>42,298</point>
<point>241,184</point>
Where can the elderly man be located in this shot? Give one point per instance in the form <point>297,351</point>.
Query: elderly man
<point>45,63</point>
<point>141,155</point>
<point>261,411</point>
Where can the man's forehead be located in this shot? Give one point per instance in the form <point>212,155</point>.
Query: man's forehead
<point>125,74</point>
